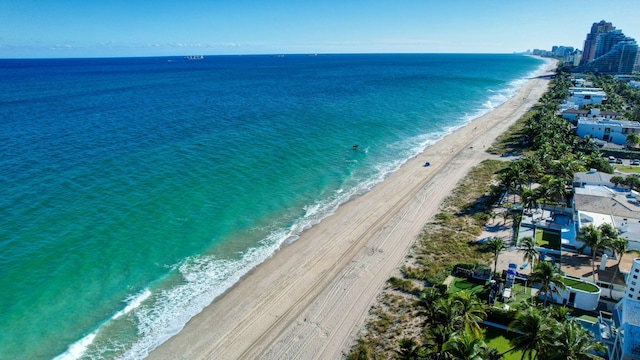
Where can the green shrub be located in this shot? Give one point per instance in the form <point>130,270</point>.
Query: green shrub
<point>402,284</point>
<point>500,316</point>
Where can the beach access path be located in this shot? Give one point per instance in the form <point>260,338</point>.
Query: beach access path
<point>311,299</point>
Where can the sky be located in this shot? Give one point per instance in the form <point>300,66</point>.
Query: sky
<point>116,28</point>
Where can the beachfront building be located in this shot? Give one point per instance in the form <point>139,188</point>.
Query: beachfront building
<point>614,131</point>
<point>592,178</point>
<point>579,96</point>
<point>597,203</point>
<point>574,114</point>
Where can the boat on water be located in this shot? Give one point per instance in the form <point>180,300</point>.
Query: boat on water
<point>194,57</point>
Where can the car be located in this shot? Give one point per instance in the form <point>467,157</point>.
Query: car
<point>635,162</point>
<point>612,159</point>
<point>427,164</point>
<point>618,161</point>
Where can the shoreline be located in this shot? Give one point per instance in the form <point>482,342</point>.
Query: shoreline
<point>310,298</point>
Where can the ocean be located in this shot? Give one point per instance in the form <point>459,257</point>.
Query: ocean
<point>134,191</point>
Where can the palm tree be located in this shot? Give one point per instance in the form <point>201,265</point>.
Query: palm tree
<point>528,250</point>
<point>619,246</point>
<point>408,349</point>
<point>427,299</point>
<point>574,342</point>
<point>492,354</point>
<point>535,330</point>
<point>496,245</point>
<point>531,167</point>
<point>556,190</point>
<point>592,238</point>
<point>609,233</point>
<point>549,277</point>
<point>513,178</point>
<point>444,313</point>
<point>465,346</point>
<point>471,311</point>
<point>558,313</point>
<point>529,199</point>
<point>633,140</point>
<point>435,337</point>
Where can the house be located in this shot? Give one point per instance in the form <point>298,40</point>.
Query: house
<point>591,177</point>
<point>574,114</point>
<point>596,201</point>
<point>614,131</point>
<point>586,96</point>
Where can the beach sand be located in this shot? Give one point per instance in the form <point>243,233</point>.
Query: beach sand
<point>311,299</point>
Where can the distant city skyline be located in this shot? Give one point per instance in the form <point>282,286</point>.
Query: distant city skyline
<point>77,28</point>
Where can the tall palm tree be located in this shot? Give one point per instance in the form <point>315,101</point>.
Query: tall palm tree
<point>529,199</point>
<point>549,277</point>
<point>496,245</point>
<point>556,190</point>
<point>435,337</point>
<point>531,167</point>
<point>535,329</point>
<point>592,238</point>
<point>465,346</point>
<point>573,342</point>
<point>528,250</point>
<point>471,311</point>
<point>608,232</point>
<point>446,314</point>
<point>619,246</point>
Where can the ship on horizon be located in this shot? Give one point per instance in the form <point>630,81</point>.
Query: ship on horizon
<point>194,57</point>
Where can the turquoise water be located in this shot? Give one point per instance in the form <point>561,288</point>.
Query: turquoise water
<point>135,191</point>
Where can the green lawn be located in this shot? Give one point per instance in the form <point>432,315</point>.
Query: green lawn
<point>547,239</point>
<point>459,284</point>
<point>633,169</point>
<point>580,285</point>
<point>519,292</point>
<point>499,339</point>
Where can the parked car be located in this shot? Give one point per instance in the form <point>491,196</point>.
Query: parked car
<point>618,161</point>
<point>635,162</point>
<point>612,159</point>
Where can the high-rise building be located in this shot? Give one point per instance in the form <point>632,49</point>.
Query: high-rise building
<point>606,41</point>
<point>589,51</point>
<point>608,51</point>
<point>620,59</point>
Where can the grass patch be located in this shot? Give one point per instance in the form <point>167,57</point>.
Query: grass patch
<point>547,239</point>
<point>580,285</point>
<point>499,339</point>
<point>633,169</point>
<point>460,284</point>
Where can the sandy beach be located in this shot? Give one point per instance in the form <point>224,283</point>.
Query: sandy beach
<point>310,300</point>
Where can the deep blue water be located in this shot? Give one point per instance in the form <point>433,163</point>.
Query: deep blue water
<point>134,191</point>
